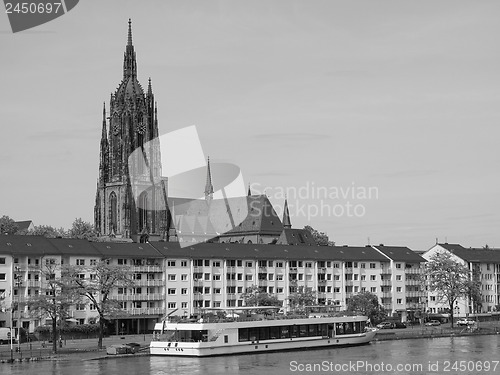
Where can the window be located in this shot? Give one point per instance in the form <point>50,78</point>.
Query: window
<point>216,277</point>
<point>184,291</point>
<point>150,276</point>
<point>309,264</point>
<point>93,262</point>
<point>171,263</point>
<point>249,264</point>
<point>362,265</point>
<point>206,290</point>
<point>207,276</point>
<point>356,276</point>
<point>2,260</point>
<point>136,276</point>
<point>336,265</point>
<point>398,289</point>
<point>122,290</point>
<point>184,263</point>
<point>2,276</point>
<point>399,301</point>
<point>279,264</point>
<point>92,307</point>
<point>216,263</point>
<point>336,289</point>
<point>271,290</point>
<point>184,277</point>
<point>328,289</point>
<point>207,303</point>
<point>197,262</point>
<point>80,262</point>
<point>336,277</point>
<point>239,263</point>
<point>279,277</point>
<point>373,277</point>
<point>398,277</point>
<point>207,262</point>
<point>171,291</point>
<point>217,291</point>
<point>240,276</point>
<point>80,307</point>
<point>363,277</point>
<point>240,289</point>
<point>122,262</point>
<point>373,289</point>
<point>372,265</point>
<point>279,290</point>
<point>398,265</point>
<point>301,276</point>
<point>172,305</point>
<point>184,305</point>
<point>309,277</point>
<point>248,277</point>
<point>355,264</point>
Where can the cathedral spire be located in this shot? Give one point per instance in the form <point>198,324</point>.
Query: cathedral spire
<point>286,216</point>
<point>103,166</point>
<point>150,89</point>
<point>129,41</point>
<point>129,63</point>
<point>249,191</point>
<point>209,189</point>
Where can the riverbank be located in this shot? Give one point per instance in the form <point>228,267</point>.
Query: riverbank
<point>420,332</point>
<point>86,349</point>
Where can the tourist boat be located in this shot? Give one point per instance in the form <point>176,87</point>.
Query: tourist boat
<point>254,333</point>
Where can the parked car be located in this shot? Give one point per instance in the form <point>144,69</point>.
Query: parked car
<point>399,325</point>
<point>466,322</point>
<point>385,325</point>
<point>433,323</point>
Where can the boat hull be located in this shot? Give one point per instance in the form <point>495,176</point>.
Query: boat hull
<point>208,349</point>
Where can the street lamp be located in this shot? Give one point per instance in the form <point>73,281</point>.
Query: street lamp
<point>18,282</point>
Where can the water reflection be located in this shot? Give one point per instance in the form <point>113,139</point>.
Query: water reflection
<point>422,351</point>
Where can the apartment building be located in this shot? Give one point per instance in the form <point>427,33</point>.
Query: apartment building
<point>484,265</point>
<point>403,288</point>
<point>174,280</point>
<point>22,260</point>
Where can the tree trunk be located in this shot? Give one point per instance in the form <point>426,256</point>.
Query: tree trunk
<point>101,332</point>
<point>451,313</point>
<point>54,335</point>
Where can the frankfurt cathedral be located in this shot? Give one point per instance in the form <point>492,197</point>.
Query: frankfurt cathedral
<point>131,198</point>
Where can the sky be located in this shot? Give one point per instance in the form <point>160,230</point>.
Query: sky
<point>378,119</point>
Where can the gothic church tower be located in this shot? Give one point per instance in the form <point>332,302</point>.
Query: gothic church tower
<point>130,202</point>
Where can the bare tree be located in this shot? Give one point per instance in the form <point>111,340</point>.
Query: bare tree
<point>54,299</point>
<point>450,280</point>
<point>96,283</point>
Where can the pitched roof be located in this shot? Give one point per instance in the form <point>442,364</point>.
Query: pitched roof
<point>400,254</point>
<point>473,254</point>
<point>126,250</point>
<point>26,245</point>
<point>291,236</point>
<point>263,251</point>
<point>72,246</point>
<point>22,225</point>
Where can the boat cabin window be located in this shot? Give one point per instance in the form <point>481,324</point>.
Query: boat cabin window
<point>282,332</point>
<point>183,336</point>
<point>349,328</point>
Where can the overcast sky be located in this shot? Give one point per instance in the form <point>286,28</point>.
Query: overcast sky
<point>398,97</point>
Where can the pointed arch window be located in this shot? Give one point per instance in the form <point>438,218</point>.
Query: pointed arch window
<point>143,211</point>
<point>113,222</point>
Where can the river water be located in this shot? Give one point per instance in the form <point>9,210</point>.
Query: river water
<point>447,355</point>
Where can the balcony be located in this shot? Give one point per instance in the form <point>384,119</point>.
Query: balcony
<point>33,284</point>
<point>386,282</point>
<point>414,270</point>
<point>139,297</point>
<point>293,269</point>
<point>146,269</point>
<point>149,283</point>
<point>385,271</point>
<point>321,281</point>
<point>146,311</point>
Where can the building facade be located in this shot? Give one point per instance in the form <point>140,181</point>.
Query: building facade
<point>484,265</point>
<point>174,280</point>
<point>131,195</point>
